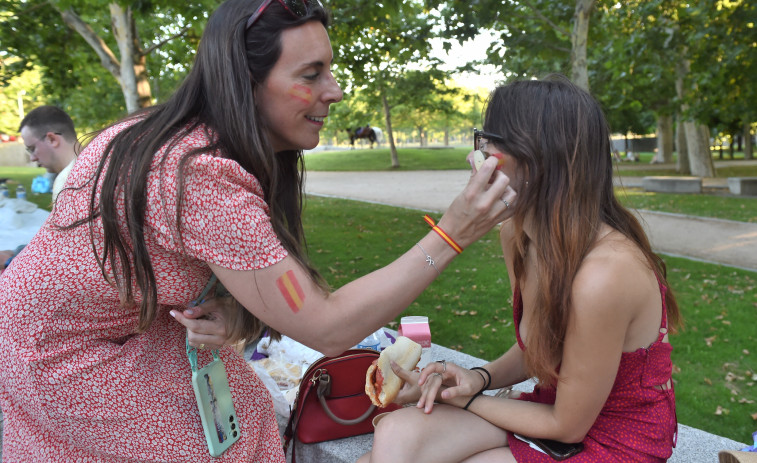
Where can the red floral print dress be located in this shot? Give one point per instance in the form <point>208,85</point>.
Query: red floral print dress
<point>78,382</point>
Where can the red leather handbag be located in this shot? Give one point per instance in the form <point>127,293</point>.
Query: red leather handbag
<point>331,402</point>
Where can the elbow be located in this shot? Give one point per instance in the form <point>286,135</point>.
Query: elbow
<point>332,351</point>
<point>572,434</point>
<point>573,437</point>
<point>331,346</point>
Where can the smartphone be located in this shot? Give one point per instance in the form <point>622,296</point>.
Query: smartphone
<point>219,419</point>
<point>555,449</point>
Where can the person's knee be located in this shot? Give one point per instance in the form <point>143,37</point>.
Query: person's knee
<point>398,426</point>
<point>396,430</point>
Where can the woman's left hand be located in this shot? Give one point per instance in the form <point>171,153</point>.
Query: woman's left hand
<point>206,323</point>
<point>447,382</point>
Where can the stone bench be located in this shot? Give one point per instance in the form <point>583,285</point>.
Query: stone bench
<point>672,184</point>
<point>693,445</point>
<point>743,186</point>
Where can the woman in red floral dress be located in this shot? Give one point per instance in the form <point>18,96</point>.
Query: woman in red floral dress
<point>94,366</point>
<point>591,308</point>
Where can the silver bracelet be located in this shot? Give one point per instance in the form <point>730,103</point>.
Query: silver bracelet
<point>429,259</point>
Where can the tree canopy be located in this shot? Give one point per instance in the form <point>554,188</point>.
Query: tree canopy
<point>644,59</point>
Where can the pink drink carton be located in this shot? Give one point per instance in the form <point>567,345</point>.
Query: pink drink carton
<point>417,329</point>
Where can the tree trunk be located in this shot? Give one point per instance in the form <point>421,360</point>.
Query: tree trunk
<point>107,59</point>
<point>130,71</point>
<point>697,135</point>
<point>579,39</point>
<point>664,139</point>
<point>748,146</point>
<point>682,166</point>
<point>700,156</point>
<point>446,136</point>
<point>389,133</point>
<point>123,30</point>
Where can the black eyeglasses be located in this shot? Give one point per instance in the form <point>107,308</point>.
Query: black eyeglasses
<point>297,8</point>
<point>479,134</point>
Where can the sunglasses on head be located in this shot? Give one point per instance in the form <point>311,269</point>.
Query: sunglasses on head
<point>480,134</point>
<point>297,8</point>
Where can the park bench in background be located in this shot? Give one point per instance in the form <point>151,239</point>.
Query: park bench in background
<point>672,184</point>
<point>743,186</point>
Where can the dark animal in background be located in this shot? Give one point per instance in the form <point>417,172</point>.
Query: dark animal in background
<point>372,134</point>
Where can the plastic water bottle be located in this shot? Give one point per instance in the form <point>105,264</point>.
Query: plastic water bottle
<point>21,192</point>
<point>372,341</point>
<point>4,191</point>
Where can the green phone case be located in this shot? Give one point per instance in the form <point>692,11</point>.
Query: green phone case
<point>215,404</point>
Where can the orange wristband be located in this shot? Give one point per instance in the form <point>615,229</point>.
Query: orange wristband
<point>443,234</point>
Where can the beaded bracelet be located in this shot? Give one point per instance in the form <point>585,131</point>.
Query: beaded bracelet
<point>443,234</point>
<point>487,383</point>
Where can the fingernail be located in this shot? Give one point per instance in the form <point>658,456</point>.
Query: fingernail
<point>172,313</point>
<point>189,312</point>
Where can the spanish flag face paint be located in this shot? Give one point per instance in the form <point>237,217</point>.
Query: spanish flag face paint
<point>291,290</point>
<point>301,93</point>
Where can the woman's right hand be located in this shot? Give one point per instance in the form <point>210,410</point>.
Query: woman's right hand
<point>480,206</point>
<point>206,323</point>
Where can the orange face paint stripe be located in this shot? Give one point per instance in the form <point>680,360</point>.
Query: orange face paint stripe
<point>302,93</point>
<point>291,290</point>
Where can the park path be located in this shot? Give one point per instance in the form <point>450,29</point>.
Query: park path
<point>711,240</point>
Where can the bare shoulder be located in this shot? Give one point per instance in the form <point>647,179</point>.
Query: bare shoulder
<point>614,279</point>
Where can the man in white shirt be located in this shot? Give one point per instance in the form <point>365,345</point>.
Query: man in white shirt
<point>51,142</point>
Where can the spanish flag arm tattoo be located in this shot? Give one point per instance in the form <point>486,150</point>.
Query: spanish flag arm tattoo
<point>291,290</point>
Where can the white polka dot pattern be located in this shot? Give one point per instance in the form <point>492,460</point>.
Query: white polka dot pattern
<point>78,382</point>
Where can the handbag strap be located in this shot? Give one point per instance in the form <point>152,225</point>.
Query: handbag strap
<point>321,381</point>
<point>324,390</point>
<point>294,418</point>
<point>314,378</point>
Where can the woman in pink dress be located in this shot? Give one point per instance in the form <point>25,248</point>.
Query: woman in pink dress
<point>93,360</point>
<point>591,308</point>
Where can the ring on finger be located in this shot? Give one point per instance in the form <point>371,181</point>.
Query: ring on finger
<point>201,346</point>
<point>444,365</point>
<point>507,205</point>
<point>436,374</point>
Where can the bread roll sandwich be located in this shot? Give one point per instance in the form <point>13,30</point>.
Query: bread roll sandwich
<point>381,384</point>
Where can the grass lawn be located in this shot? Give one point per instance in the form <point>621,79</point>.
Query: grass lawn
<point>454,158</point>
<point>380,159</point>
<point>739,208</point>
<point>470,307</point>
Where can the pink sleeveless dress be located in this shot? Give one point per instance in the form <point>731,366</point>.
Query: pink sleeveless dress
<point>638,421</point>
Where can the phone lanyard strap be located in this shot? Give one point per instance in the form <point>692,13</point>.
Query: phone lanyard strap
<point>192,355</point>
<point>205,291</point>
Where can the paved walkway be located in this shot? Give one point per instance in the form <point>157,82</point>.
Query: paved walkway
<point>711,240</point>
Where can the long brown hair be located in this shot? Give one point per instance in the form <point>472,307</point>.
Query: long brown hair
<point>560,138</point>
<point>218,96</point>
